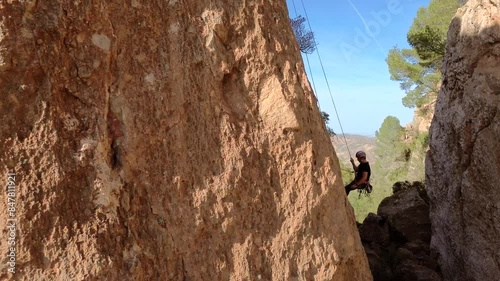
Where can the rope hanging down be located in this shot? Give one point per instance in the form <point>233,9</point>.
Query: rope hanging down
<point>307,59</point>
<point>324,73</point>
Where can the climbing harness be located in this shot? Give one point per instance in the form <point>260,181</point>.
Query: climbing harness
<point>366,190</point>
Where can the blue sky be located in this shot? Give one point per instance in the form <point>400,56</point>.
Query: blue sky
<point>354,58</point>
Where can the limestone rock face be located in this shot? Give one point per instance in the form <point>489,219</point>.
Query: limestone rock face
<point>166,140</point>
<point>463,162</point>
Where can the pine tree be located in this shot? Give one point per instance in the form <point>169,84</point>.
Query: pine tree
<point>419,69</point>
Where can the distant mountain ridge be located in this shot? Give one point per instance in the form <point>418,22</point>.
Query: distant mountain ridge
<point>355,143</point>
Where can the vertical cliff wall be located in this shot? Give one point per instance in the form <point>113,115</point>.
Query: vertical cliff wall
<point>463,163</point>
<point>166,140</point>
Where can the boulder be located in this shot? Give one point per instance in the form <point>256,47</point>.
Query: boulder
<point>408,214</point>
<point>375,229</point>
<point>413,271</point>
<point>396,240</point>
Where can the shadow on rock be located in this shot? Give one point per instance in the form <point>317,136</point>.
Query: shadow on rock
<point>397,239</point>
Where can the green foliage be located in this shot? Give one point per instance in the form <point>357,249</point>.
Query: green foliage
<point>390,166</point>
<point>427,35</point>
<point>400,154</point>
<point>326,118</point>
<point>404,67</point>
<point>437,15</point>
<point>421,142</point>
<point>305,38</point>
<point>391,151</point>
<point>347,172</point>
<point>363,205</point>
<point>417,79</point>
<point>419,82</point>
<point>400,157</point>
<point>419,69</point>
<point>388,139</point>
<point>430,46</point>
<point>418,147</point>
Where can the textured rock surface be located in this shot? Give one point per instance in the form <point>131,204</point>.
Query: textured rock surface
<point>463,163</point>
<point>167,140</point>
<point>408,213</point>
<point>417,133</point>
<point>396,240</point>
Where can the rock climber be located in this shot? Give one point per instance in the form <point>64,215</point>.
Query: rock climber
<point>362,172</point>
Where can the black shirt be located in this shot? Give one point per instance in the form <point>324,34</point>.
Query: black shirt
<point>363,167</point>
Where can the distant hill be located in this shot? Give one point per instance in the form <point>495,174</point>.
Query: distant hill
<point>355,143</point>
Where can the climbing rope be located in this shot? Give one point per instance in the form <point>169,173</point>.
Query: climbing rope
<point>324,73</point>
<point>295,8</point>
<point>307,59</point>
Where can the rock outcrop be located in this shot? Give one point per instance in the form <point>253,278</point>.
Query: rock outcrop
<point>463,162</point>
<point>397,238</point>
<point>166,140</point>
<point>417,141</point>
